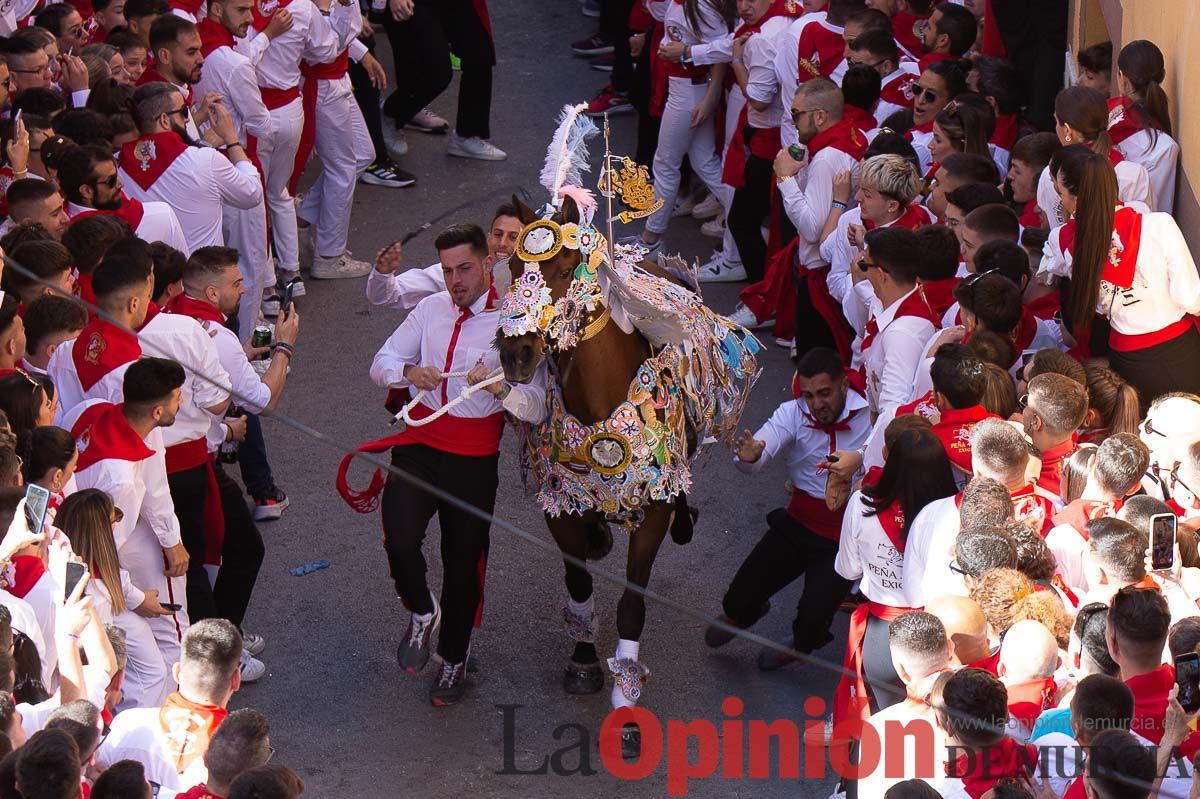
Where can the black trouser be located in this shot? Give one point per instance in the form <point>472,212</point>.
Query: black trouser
<point>189,490</point>
<point>614,26</point>
<point>406,514</point>
<point>1035,36</point>
<point>786,551</point>
<point>241,554</point>
<point>252,458</point>
<point>640,97</point>
<point>367,97</point>
<point>421,49</point>
<point>751,207</point>
<point>811,329</point>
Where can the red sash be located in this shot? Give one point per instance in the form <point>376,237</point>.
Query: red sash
<point>131,210</point>
<point>897,88</point>
<point>939,294</point>
<point>1121,265</point>
<point>820,51</point>
<point>188,727</point>
<point>144,160</point>
<point>842,135</point>
<point>200,310</point>
<point>909,32</point>
<point>1078,513</point>
<point>312,73</point>
<point>1124,120</point>
<point>103,433</point>
<point>859,118</point>
<point>924,405</point>
<point>852,699</point>
<point>100,348</point>
<point>954,428</point>
<point>212,36</point>
<point>764,143</point>
<point>152,75</point>
<point>1150,701</point>
<point>27,570</point>
<point>262,11</point>
<point>979,774</point>
<point>1007,127</point>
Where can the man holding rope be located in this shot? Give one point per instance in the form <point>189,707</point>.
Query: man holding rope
<point>443,351</point>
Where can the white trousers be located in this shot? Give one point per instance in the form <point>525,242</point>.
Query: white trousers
<point>142,557</point>
<point>277,154</point>
<point>246,230</point>
<point>148,678</point>
<point>344,146</point>
<point>677,138</point>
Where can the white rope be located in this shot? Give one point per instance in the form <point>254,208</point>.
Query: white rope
<point>464,394</point>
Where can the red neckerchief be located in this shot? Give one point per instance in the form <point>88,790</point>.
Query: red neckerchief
<point>820,51</point>
<point>912,305</point>
<point>954,428</point>
<point>1122,255</point>
<point>1027,700</point>
<point>776,9</point>
<point>1006,759</point>
<point>189,6</point>
<point>152,75</point>
<point>872,475</point>
<point>939,294</point>
<point>924,127</point>
<point>198,792</point>
<point>924,405</point>
<point>1007,126</point>
<point>830,430</point>
<point>1045,306</point>
<point>908,29</point>
<point>1058,582</point>
<point>1114,156</point>
<point>1025,331</point>
<point>840,136</point>
<point>187,727</point>
<point>103,433</point>
<point>1076,790</point>
<point>1066,236</point>
<point>1124,120</point>
<point>213,36</point>
<point>263,10</point>
<point>897,88</point>
<point>131,211</point>
<point>144,160</point>
<point>200,310</point>
<point>1030,216</point>
<point>1029,505</point>
<point>1053,459</point>
<point>933,58</point>
<point>891,519</point>
<point>28,569</point>
<point>152,310</point>
<point>1150,701</point>
<point>1078,513</point>
<point>990,664</point>
<point>914,216</point>
<point>863,120</point>
<point>100,348</point>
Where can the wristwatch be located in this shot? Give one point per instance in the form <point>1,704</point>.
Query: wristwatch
<point>504,391</point>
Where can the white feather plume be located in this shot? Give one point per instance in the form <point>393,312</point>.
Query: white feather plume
<point>567,155</point>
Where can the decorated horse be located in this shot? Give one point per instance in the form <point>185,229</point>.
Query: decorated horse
<point>644,375</point>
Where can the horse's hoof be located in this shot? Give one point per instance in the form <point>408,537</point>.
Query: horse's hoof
<point>631,742</point>
<point>599,540</point>
<point>683,527</point>
<point>583,678</point>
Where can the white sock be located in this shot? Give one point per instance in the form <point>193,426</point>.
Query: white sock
<point>625,649</point>
<point>581,609</point>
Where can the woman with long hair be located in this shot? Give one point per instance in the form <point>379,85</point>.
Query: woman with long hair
<point>1139,121</point>
<point>1130,269</point>
<point>1113,405</point>
<point>939,84</point>
<point>965,125</point>
<point>695,31</point>
<point>88,517</point>
<point>49,455</point>
<point>916,472</point>
<point>1081,117</point>
<point>29,400</point>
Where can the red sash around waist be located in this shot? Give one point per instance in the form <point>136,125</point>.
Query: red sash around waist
<point>1126,342</point>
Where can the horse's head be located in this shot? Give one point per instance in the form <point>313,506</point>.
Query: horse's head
<point>543,270</point>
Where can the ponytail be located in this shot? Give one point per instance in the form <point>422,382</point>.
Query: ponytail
<point>1141,62</point>
<point>1090,177</point>
<point>1115,400</point>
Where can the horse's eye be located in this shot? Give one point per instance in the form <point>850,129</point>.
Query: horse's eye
<point>564,274</point>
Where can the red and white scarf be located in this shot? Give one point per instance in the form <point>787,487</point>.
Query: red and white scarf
<point>146,159</point>
<point>103,433</point>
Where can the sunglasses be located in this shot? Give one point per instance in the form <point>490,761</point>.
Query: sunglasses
<point>182,111</point>
<point>110,181</point>
<point>1175,480</point>
<point>864,265</point>
<point>797,114</point>
<point>920,91</point>
<point>954,567</point>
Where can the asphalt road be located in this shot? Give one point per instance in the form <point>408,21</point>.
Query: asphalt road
<point>342,713</point>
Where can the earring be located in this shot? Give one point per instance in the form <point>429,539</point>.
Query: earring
<point>1067,138</point>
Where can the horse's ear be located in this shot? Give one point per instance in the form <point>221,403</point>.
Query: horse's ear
<point>569,211</point>
<point>526,213</point>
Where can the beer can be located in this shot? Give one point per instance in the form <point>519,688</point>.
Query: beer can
<point>261,337</point>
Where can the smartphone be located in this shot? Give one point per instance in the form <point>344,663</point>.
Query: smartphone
<point>37,500</point>
<point>1187,676</point>
<point>75,572</point>
<point>1162,541</point>
<point>171,606</point>
<point>286,301</point>
<point>17,117</point>
<point>1026,357</point>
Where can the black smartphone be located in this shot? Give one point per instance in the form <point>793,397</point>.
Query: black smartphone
<point>37,500</point>
<point>171,606</point>
<point>1187,676</point>
<point>1026,357</point>
<point>1162,541</point>
<point>75,572</point>
<point>286,300</point>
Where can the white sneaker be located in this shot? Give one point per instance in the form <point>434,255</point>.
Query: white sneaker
<point>684,207</point>
<point>338,267</point>
<point>253,643</point>
<point>428,122</point>
<point>745,317</point>
<point>714,228</point>
<point>270,306</point>
<point>708,208</point>
<point>252,668</point>
<point>474,147</point>
<point>394,138</point>
<point>718,271</point>
<point>786,343</point>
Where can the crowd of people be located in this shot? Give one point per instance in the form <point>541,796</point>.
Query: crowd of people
<point>993,316</point>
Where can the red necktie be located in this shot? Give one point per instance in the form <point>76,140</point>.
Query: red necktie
<point>464,314</point>
<point>830,430</point>
<point>872,331</point>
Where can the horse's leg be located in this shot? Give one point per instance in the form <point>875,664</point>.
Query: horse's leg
<point>583,674</point>
<point>683,520</point>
